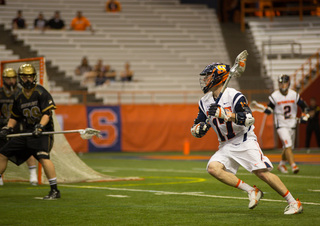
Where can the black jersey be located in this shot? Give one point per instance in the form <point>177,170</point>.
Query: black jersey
<point>6,102</point>
<point>30,109</point>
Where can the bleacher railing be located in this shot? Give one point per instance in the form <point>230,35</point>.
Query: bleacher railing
<point>250,7</point>
<point>307,72</point>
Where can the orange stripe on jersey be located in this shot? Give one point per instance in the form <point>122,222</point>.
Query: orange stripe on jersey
<point>285,102</point>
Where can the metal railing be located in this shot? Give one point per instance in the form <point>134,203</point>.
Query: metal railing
<point>307,72</point>
<point>249,6</point>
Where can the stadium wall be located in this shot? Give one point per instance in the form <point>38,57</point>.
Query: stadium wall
<point>309,91</point>
<point>144,128</point>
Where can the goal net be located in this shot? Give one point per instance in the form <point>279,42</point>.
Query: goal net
<point>69,167</point>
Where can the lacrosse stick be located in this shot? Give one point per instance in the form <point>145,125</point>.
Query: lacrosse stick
<point>255,106</point>
<point>236,70</point>
<point>86,134</point>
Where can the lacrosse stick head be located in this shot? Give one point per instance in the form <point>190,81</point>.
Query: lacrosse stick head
<point>255,106</point>
<point>88,133</point>
<point>240,64</point>
<point>213,75</point>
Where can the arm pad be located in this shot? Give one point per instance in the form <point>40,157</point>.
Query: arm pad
<point>244,119</point>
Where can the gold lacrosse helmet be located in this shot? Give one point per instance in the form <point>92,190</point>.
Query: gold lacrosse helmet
<point>9,73</point>
<point>27,70</point>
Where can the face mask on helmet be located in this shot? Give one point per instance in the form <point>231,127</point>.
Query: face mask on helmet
<point>213,75</point>
<point>27,70</point>
<point>9,73</point>
<point>284,83</point>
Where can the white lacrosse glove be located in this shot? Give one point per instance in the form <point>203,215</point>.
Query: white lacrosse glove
<point>304,118</point>
<point>200,129</point>
<point>219,112</point>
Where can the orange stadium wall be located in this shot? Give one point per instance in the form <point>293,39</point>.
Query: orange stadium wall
<point>145,128</point>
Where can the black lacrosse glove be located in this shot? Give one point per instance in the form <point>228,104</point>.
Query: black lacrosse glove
<point>38,129</point>
<point>5,131</point>
<point>213,109</point>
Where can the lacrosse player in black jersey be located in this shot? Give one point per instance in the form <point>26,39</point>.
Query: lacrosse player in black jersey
<point>32,106</point>
<point>7,92</point>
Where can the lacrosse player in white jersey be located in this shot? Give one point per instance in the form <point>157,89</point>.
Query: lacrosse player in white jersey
<point>284,106</point>
<point>232,120</point>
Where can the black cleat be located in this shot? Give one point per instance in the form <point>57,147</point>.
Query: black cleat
<point>53,194</point>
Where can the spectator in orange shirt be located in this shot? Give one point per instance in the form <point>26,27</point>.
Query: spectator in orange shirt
<point>113,6</point>
<point>80,23</point>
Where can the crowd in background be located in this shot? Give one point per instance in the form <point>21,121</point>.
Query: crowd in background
<point>101,74</point>
<point>78,23</point>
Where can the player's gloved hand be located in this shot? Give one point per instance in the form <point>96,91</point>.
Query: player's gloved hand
<point>219,112</point>
<point>200,129</point>
<point>5,131</point>
<point>37,130</point>
<point>304,118</point>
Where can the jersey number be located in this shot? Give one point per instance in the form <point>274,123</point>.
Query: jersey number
<point>230,133</point>
<point>33,115</point>
<point>287,111</point>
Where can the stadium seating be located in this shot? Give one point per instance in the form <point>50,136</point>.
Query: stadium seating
<point>166,43</point>
<point>282,39</point>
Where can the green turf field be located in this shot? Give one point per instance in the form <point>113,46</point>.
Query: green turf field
<point>173,192</point>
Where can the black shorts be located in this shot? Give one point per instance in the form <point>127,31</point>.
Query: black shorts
<point>19,149</point>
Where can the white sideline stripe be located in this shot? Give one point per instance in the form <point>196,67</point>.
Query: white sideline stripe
<point>118,196</point>
<point>314,190</point>
<point>198,194</point>
<point>108,169</point>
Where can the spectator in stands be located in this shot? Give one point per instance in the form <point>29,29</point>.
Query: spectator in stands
<point>40,23</point>
<point>113,6</point>
<point>313,122</point>
<point>127,73</point>
<point>19,22</point>
<point>83,67</point>
<point>56,22</point>
<point>109,73</point>
<point>80,23</point>
<point>100,78</point>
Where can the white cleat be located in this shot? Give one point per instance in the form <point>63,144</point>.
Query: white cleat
<point>295,169</point>
<point>293,208</point>
<point>254,197</point>
<point>1,181</point>
<point>282,169</point>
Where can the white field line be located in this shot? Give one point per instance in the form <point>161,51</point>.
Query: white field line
<point>114,169</point>
<point>197,194</point>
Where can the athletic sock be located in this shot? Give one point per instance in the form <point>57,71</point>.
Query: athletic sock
<point>282,162</point>
<point>33,170</point>
<point>53,183</point>
<point>288,197</point>
<point>244,186</point>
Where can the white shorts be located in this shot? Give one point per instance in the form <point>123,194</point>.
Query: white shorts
<point>250,158</point>
<point>287,136</point>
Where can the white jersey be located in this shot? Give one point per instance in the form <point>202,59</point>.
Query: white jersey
<point>227,132</point>
<point>286,107</point>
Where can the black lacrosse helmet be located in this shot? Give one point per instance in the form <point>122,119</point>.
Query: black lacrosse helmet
<point>284,79</point>
<point>213,75</point>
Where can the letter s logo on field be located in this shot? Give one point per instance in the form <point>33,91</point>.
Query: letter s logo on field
<point>105,119</point>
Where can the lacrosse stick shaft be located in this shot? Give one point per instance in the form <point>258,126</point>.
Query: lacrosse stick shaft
<point>45,133</point>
